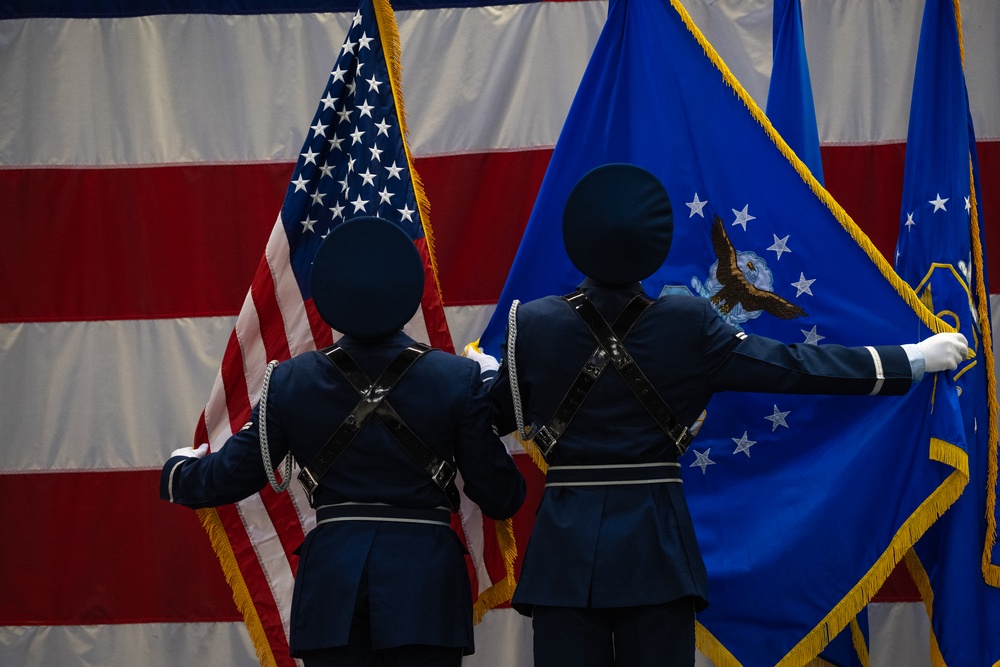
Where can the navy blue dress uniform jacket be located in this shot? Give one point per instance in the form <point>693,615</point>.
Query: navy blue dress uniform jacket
<point>418,580</point>
<point>627,545</point>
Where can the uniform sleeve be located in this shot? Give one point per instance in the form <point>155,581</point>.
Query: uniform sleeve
<point>228,475</point>
<point>764,364</point>
<point>492,481</point>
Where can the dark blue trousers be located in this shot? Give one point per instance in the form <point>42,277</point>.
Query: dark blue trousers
<point>660,635</point>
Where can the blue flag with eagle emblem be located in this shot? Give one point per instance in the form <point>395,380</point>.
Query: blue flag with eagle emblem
<point>940,253</point>
<point>802,505</point>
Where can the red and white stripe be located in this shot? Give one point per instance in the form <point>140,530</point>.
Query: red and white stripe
<point>142,163</point>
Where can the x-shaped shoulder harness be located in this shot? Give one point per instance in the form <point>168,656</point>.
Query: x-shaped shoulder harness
<point>610,348</point>
<point>373,403</point>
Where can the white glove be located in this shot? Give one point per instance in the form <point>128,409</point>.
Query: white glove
<point>943,351</point>
<point>191,451</point>
<point>485,361</point>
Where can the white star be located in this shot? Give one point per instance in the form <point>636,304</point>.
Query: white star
<point>393,171</point>
<point>308,224</point>
<point>353,85</point>
<point>702,461</point>
<point>359,204</point>
<point>742,217</point>
<point>812,338</point>
<point>384,195</point>
<point>778,419</point>
<point>357,19</point>
<point>696,206</point>
<point>300,184</point>
<point>356,135</point>
<point>335,143</point>
<point>910,222</point>
<point>338,74</point>
<point>374,83</point>
<point>938,204</point>
<point>365,40</point>
<point>350,164</point>
<point>406,213</point>
<point>368,177</point>
<point>345,115</point>
<point>326,170</point>
<point>328,101</point>
<point>743,444</point>
<point>383,128</point>
<point>338,211</point>
<point>343,187</point>
<point>310,156</point>
<point>803,286</point>
<point>317,197</point>
<point>376,153</point>
<point>366,109</point>
<point>318,128</point>
<point>968,204</point>
<point>348,46</point>
<point>357,73</point>
<point>780,245</point>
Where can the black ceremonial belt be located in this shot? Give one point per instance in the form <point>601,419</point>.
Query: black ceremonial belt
<point>373,403</point>
<point>610,341</point>
<point>546,437</point>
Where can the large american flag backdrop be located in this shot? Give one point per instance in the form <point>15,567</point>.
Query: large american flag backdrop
<point>146,151</point>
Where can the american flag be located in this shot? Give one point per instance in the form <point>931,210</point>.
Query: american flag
<point>354,162</point>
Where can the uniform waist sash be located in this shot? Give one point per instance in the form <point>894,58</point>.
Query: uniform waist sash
<point>379,512</point>
<point>614,474</point>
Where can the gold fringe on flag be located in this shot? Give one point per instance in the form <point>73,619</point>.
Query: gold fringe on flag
<point>241,594</point>
<point>389,34</point>
<point>503,590</point>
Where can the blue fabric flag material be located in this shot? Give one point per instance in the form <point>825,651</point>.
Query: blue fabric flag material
<point>940,253</point>
<point>790,104</point>
<point>802,505</point>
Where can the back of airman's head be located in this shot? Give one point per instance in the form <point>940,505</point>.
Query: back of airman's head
<point>367,278</point>
<point>618,224</point>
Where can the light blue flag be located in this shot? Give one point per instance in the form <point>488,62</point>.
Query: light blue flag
<point>790,105</point>
<point>940,253</point>
<point>802,505</point>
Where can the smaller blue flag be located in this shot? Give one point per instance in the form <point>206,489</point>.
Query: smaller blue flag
<point>940,253</point>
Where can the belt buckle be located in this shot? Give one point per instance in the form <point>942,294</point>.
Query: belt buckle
<point>682,441</point>
<point>443,474</point>
<point>545,441</point>
<point>308,482</point>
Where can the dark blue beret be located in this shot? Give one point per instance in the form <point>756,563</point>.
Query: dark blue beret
<point>367,278</point>
<point>618,224</point>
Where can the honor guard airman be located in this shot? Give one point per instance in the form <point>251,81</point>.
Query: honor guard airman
<point>381,426</point>
<point>608,383</point>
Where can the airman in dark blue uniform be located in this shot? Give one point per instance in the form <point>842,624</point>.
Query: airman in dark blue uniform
<point>382,577</point>
<point>612,574</point>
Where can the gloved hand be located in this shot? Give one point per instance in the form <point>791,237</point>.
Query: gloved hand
<point>486,362</point>
<point>191,451</point>
<point>943,351</point>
